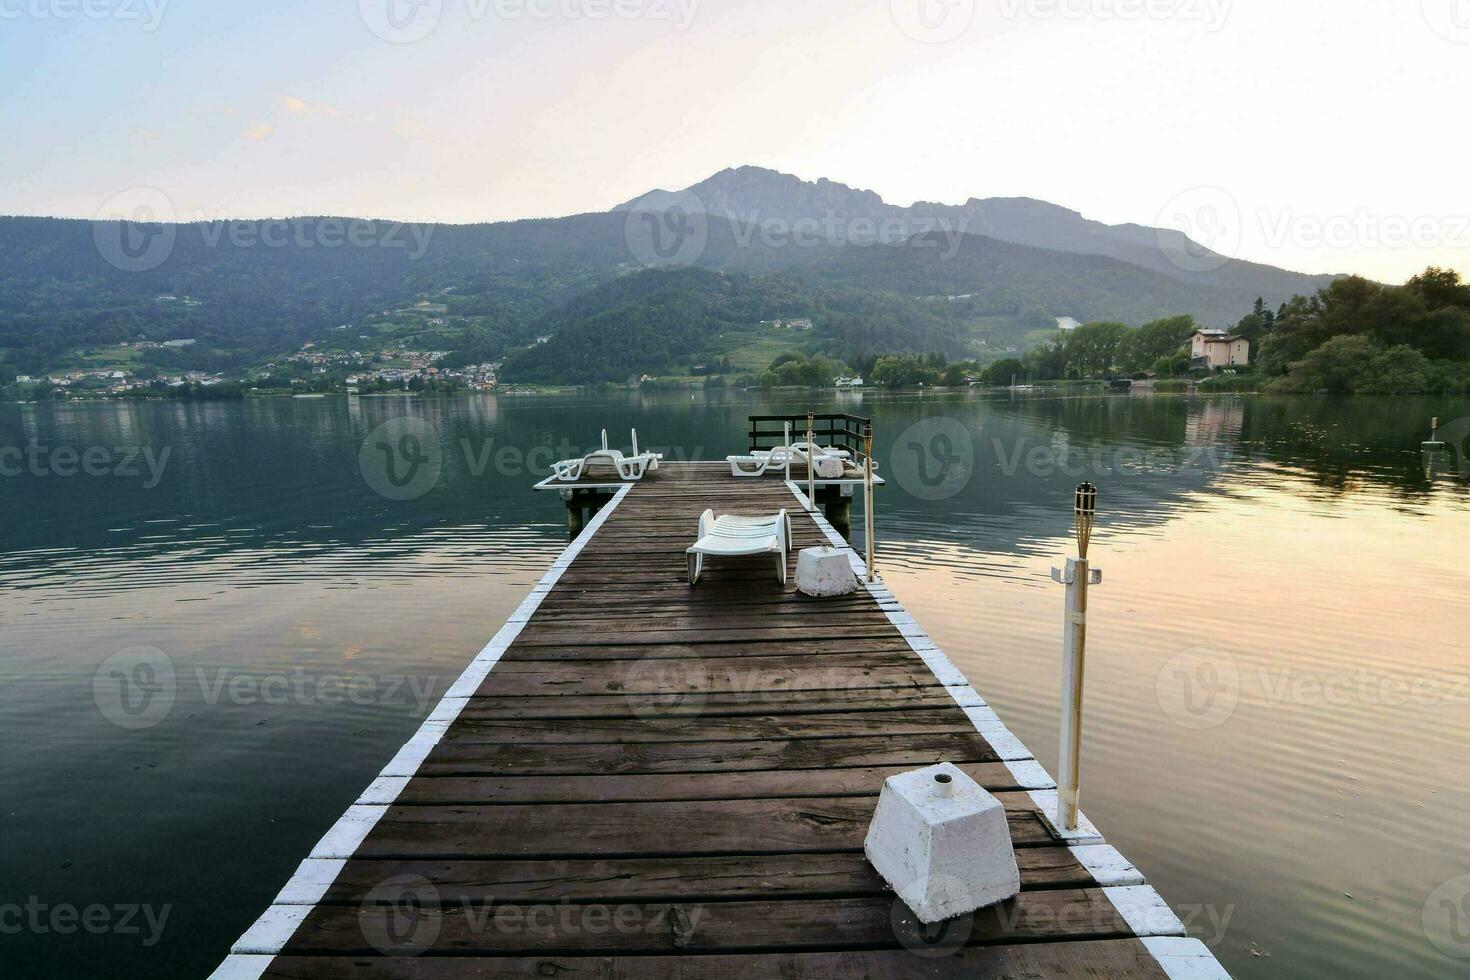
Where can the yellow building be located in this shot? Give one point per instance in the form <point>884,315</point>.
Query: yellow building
<point>1217,348</point>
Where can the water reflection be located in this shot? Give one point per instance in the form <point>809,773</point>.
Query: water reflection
<point>1304,536</point>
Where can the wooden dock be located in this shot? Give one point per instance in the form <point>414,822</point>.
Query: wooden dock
<point>640,779</point>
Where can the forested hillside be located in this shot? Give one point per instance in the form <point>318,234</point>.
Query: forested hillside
<point>244,291</point>
<point>659,321</point>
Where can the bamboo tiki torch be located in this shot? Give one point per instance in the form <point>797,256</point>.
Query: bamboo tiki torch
<point>1077,576</point>
<point>868,494</point>
<point>811,463</point>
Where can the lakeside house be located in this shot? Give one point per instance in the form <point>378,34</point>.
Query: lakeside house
<point>1215,349</point>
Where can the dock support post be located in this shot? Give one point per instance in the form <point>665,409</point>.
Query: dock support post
<point>1076,576</point>
<point>582,506</point>
<point>868,495</point>
<point>836,504</point>
<point>575,520</point>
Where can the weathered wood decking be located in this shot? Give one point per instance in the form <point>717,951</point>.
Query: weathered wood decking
<point>639,779</point>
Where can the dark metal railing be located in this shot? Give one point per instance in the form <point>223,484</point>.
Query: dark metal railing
<point>835,431</point>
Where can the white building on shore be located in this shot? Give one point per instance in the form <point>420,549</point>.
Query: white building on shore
<point>1218,348</point>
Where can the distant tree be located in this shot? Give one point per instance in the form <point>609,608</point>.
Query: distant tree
<point>1048,361</point>
<point>1142,348</point>
<point>1400,370</point>
<point>1092,349</point>
<point>1256,324</point>
<point>1440,287</point>
<point>1352,363</point>
<point>799,370</point>
<point>904,371</point>
<point>1004,371</point>
<point>1172,366</point>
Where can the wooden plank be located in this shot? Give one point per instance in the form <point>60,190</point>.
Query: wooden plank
<point>761,784</point>
<point>814,624</point>
<point>710,675</point>
<point>801,650</point>
<point>671,928</point>
<point>727,703</point>
<point>660,728</point>
<point>761,826</point>
<point>748,876</point>
<point>1118,959</point>
<point>913,751</point>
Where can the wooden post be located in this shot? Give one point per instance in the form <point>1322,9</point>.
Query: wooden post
<point>786,426</point>
<point>575,519</point>
<point>868,494</point>
<point>837,505</point>
<point>811,463</point>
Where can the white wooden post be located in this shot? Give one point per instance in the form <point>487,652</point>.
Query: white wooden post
<point>787,437</point>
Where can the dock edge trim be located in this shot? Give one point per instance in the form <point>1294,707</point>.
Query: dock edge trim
<point>253,952</point>
<point>1145,911</point>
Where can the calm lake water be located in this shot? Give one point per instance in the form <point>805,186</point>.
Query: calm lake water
<point>1278,715</point>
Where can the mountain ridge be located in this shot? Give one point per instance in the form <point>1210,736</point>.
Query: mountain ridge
<point>763,196</point>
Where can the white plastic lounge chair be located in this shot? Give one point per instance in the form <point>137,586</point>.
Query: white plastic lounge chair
<point>628,467</point>
<point>758,462</point>
<point>734,537</point>
<point>800,450</point>
<point>761,461</point>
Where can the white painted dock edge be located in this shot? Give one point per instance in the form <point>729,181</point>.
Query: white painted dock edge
<point>1141,907</point>
<point>253,952</point>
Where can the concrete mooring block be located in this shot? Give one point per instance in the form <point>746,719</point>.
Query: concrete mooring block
<point>824,572</point>
<point>942,843</point>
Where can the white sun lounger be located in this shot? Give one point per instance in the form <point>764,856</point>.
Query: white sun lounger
<point>735,537</point>
<point>628,467</point>
<point>757,463</point>
<point>762,461</point>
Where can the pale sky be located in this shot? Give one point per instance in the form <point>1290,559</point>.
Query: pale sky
<point>1319,135</point>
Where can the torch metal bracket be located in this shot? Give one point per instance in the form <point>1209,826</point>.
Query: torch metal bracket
<point>1068,575</point>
